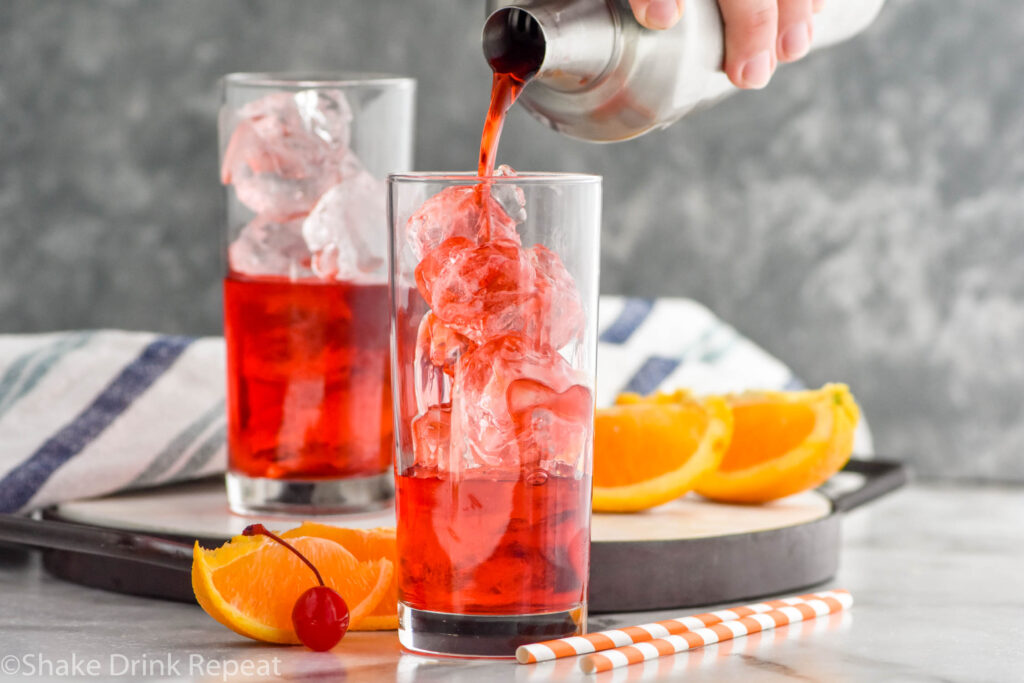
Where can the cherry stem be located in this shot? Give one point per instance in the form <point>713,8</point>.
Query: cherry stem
<point>259,529</point>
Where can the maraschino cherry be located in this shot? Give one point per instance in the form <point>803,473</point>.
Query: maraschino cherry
<point>320,615</point>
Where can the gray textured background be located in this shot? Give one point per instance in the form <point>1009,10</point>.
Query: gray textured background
<point>861,218</point>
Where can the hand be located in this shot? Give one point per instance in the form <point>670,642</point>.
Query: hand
<point>758,33</point>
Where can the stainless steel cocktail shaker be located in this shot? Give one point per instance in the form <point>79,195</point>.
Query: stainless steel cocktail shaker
<point>601,76</point>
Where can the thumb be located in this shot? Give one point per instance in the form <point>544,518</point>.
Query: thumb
<point>657,14</point>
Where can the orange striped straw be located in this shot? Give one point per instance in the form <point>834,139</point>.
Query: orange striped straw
<point>607,640</point>
<point>726,630</point>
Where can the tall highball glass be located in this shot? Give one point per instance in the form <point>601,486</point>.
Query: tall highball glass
<point>304,159</point>
<point>494,304</point>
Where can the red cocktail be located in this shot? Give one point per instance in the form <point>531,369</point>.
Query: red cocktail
<point>495,285</point>
<point>495,295</point>
<point>493,546</point>
<point>309,382</point>
<point>306,304</point>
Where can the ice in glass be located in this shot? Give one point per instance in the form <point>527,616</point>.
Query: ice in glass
<point>306,320</point>
<point>495,302</point>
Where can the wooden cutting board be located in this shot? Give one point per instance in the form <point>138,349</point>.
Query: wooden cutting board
<point>199,510</point>
<point>685,553</point>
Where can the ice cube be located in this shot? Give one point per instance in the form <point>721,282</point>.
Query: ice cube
<point>347,230</point>
<point>286,150</point>
<point>440,344</point>
<point>552,427</point>
<point>431,384</point>
<point>436,260</point>
<point>267,247</point>
<point>511,197</point>
<point>432,437</point>
<point>559,310</point>
<point>480,291</point>
<point>483,429</point>
<point>459,211</point>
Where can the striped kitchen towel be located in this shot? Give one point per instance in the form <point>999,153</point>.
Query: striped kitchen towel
<point>649,344</point>
<point>85,414</point>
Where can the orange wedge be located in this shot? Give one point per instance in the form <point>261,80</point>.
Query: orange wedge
<point>648,451</point>
<point>366,545</point>
<point>783,443</point>
<point>250,584</point>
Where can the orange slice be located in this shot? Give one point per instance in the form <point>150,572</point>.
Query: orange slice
<point>783,443</point>
<point>366,545</point>
<point>250,584</point>
<point>648,451</point>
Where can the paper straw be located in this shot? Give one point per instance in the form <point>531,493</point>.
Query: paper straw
<point>726,630</point>
<point>607,640</point>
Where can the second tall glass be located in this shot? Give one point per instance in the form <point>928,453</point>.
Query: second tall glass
<point>305,295</point>
<point>494,286</point>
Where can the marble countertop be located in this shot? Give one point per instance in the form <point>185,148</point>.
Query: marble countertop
<point>937,572</point>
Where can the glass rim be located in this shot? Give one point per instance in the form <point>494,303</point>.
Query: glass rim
<point>315,79</point>
<point>521,178</point>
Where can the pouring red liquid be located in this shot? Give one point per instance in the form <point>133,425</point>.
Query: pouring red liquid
<point>505,88</point>
<point>497,540</point>
<point>515,59</point>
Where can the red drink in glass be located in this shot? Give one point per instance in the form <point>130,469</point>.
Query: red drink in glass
<point>494,281</point>
<point>493,546</point>
<point>309,384</point>
<point>306,299</point>
<point>494,354</point>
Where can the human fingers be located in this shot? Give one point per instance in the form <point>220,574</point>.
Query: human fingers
<point>657,14</point>
<point>751,31</point>
<point>795,29</point>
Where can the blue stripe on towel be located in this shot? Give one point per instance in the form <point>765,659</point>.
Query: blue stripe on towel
<point>20,484</point>
<point>632,315</point>
<point>177,446</point>
<point>13,372</point>
<point>651,374</point>
<point>203,454</point>
<point>61,348</point>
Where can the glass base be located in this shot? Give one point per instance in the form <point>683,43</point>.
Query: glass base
<point>477,635</point>
<point>254,495</point>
